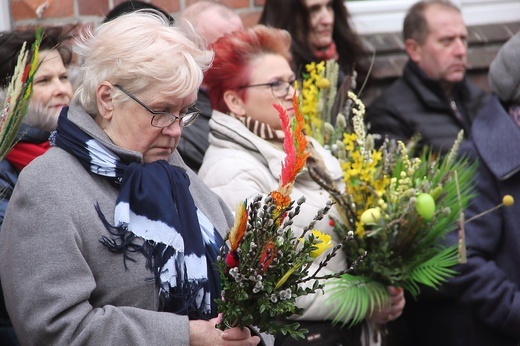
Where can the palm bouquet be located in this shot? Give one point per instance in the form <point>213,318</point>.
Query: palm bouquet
<point>18,94</point>
<point>266,261</point>
<point>398,205</point>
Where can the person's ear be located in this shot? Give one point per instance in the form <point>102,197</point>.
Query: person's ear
<point>413,49</point>
<point>234,103</point>
<point>104,98</point>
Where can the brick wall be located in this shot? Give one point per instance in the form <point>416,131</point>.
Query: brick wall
<point>484,40</point>
<point>92,12</point>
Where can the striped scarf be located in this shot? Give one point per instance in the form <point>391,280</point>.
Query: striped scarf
<point>262,130</point>
<point>154,215</point>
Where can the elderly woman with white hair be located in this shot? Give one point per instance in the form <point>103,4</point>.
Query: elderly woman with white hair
<point>109,239</point>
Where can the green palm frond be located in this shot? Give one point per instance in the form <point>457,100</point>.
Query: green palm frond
<point>353,298</point>
<point>437,269</point>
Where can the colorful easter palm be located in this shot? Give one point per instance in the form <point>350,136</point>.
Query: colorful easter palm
<point>398,206</point>
<point>266,261</point>
<point>18,94</point>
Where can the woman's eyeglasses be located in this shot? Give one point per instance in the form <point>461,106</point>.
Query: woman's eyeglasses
<point>165,119</point>
<point>280,88</point>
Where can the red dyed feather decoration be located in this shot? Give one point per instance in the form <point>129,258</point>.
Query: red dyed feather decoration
<point>295,144</point>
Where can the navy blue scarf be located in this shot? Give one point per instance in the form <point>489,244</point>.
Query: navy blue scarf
<point>155,215</point>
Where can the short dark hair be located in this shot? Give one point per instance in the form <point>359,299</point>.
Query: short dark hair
<point>415,25</point>
<point>11,43</point>
<point>293,16</point>
<point>132,6</point>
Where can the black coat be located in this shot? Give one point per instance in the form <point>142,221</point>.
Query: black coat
<point>8,178</point>
<point>194,140</point>
<point>416,104</point>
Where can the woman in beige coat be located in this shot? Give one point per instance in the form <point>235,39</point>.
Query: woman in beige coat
<point>250,72</point>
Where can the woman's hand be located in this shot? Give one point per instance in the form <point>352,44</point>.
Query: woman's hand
<point>203,333</point>
<point>394,310</point>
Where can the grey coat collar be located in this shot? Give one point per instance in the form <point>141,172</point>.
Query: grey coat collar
<point>86,122</point>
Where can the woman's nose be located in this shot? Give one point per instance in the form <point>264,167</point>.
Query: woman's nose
<point>63,88</point>
<point>290,91</point>
<point>326,16</point>
<point>174,129</point>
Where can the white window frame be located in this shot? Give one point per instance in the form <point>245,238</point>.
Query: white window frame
<point>5,16</point>
<point>378,16</point>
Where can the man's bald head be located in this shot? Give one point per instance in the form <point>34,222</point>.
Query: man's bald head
<point>212,20</point>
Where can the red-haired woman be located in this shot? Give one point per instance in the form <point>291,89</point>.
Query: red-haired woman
<point>251,71</point>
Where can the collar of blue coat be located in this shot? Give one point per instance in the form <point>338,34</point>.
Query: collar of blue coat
<point>496,137</point>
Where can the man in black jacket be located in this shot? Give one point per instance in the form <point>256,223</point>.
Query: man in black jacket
<point>211,20</point>
<point>433,98</point>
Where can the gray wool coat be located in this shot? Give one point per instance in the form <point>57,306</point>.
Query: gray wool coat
<point>61,285</point>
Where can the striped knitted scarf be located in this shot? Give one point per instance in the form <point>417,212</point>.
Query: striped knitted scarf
<point>155,215</point>
<point>261,129</point>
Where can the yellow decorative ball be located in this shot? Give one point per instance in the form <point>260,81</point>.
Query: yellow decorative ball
<point>324,83</point>
<point>370,216</point>
<point>508,200</point>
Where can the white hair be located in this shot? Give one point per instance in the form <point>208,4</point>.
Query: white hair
<point>137,50</point>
